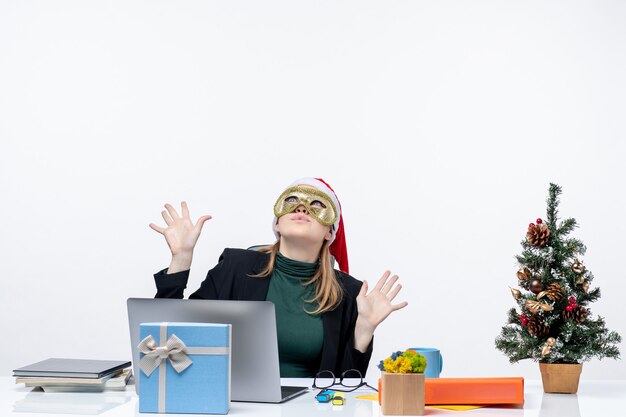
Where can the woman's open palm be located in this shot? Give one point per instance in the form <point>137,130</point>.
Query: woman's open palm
<point>376,306</point>
<point>181,234</point>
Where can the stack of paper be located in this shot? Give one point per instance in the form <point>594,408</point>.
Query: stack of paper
<point>54,403</point>
<point>75,375</point>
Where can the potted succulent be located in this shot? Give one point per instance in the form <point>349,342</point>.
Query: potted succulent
<point>402,383</point>
<point>552,323</point>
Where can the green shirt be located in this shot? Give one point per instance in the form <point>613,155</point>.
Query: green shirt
<point>300,334</point>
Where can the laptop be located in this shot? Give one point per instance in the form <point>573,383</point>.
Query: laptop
<point>255,373</point>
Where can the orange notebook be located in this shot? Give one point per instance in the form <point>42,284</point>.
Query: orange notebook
<point>473,391</point>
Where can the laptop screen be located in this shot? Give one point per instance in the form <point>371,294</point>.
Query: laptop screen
<point>255,368</point>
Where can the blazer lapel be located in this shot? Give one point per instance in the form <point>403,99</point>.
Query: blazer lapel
<point>255,288</point>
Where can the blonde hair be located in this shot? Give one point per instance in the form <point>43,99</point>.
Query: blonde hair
<point>328,291</point>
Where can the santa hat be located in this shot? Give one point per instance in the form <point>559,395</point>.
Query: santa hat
<point>338,238</point>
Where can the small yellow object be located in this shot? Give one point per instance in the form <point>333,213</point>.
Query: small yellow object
<point>586,286</point>
<point>534,306</point>
<point>578,267</point>
<point>338,399</point>
<point>523,274</point>
<point>517,293</point>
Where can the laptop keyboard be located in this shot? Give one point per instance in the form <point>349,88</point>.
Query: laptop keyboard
<point>286,391</point>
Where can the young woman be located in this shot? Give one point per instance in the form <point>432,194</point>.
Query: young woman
<point>325,318</point>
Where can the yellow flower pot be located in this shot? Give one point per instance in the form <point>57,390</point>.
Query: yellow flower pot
<point>402,394</point>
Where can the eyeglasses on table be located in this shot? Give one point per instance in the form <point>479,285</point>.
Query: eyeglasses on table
<point>352,379</point>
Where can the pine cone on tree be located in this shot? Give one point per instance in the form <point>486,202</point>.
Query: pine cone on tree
<point>578,314</point>
<point>537,327</point>
<point>554,292</point>
<point>538,234</point>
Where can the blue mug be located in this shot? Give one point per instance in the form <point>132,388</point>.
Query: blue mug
<point>434,361</point>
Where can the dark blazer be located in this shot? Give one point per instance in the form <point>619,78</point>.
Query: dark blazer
<point>231,279</point>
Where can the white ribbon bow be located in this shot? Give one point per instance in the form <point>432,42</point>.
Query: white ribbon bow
<point>174,350</point>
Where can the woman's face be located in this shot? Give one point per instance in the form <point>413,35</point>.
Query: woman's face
<point>300,224</point>
<point>316,203</point>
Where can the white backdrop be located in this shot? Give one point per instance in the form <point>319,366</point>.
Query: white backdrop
<point>439,123</point>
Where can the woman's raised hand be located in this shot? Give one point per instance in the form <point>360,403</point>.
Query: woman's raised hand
<point>375,307</point>
<point>180,234</point>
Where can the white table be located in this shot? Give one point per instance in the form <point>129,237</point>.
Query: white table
<point>594,399</point>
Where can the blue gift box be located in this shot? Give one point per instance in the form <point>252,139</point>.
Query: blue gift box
<point>185,368</point>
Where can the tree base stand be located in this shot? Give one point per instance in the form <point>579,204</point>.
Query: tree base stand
<point>560,378</point>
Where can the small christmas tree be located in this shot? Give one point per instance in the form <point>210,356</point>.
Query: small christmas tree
<point>554,323</point>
